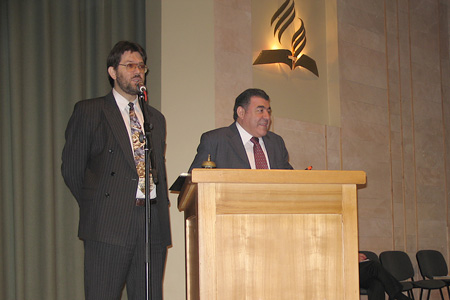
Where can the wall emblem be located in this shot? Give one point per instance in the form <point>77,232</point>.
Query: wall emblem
<point>281,20</point>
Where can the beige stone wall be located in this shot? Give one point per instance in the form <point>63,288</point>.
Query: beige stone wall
<point>394,93</point>
<point>395,113</point>
<point>233,56</point>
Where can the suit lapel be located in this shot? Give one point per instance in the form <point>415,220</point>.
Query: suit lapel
<point>150,120</point>
<point>118,128</point>
<point>270,151</point>
<point>236,144</point>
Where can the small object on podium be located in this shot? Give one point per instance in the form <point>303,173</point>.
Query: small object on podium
<point>208,164</point>
<point>308,168</point>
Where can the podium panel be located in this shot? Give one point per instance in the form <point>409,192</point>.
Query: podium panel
<point>271,234</point>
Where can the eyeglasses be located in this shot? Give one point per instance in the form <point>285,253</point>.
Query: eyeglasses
<point>132,66</point>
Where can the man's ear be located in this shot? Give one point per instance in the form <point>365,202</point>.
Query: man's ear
<point>112,72</point>
<point>240,112</point>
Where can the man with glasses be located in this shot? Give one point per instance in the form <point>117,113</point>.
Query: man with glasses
<point>101,164</point>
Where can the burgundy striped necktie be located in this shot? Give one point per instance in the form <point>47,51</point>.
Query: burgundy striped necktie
<point>260,158</point>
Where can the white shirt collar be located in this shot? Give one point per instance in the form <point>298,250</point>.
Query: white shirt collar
<point>248,145</point>
<point>245,136</point>
<point>121,101</point>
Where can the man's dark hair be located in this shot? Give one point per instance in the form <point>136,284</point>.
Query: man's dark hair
<point>120,48</point>
<point>244,99</point>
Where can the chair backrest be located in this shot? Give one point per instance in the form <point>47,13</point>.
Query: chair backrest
<point>431,263</point>
<point>371,255</point>
<point>398,264</point>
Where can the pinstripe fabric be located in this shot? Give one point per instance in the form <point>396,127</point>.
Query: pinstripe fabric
<point>109,267</point>
<point>98,167</point>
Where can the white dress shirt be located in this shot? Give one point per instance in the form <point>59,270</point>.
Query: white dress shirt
<point>248,145</point>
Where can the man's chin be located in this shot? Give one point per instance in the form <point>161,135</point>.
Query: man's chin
<point>132,91</point>
<point>262,133</point>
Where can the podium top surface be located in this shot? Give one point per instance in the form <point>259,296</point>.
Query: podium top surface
<point>277,176</point>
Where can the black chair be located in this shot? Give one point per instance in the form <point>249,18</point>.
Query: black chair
<point>371,256</point>
<point>432,265</point>
<point>400,266</point>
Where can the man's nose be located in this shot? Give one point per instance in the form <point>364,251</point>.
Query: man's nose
<point>136,71</point>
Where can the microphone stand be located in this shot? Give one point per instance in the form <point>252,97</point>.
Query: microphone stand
<point>149,163</point>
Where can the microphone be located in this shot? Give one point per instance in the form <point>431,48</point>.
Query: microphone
<point>142,90</point>
<point>141,87</point>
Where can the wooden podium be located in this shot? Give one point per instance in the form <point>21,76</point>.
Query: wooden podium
<point>271,234</point>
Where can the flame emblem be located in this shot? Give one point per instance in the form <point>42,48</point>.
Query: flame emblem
<point>281,20</point>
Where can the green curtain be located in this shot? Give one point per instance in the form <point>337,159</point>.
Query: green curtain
<point>52,54</point>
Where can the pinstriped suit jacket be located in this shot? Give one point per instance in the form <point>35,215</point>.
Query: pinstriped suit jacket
<point>98,167</point>
<point>227,151</point>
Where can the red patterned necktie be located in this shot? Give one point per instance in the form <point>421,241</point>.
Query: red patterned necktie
<point>260,158</point>
<point>138,149</point>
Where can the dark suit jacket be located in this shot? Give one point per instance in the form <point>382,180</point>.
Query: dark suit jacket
<point>227,151</point>
<point>99,169</point>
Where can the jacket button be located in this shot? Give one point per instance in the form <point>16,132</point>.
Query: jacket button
<point>113,173</point>
<point>106,195</point>
<point>111,151</point>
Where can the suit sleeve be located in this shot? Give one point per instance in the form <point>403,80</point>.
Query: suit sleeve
<point>76,150</point>
<point>203,150</point>
<point>285,157</point>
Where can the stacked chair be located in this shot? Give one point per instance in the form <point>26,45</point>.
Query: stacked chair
<point>433,266</point>
<point>400,266</point>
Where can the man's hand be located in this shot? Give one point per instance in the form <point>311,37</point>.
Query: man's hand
<point>362,257</point>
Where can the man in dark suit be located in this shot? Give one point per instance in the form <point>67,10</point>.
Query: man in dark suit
<point>232,147</point>
<point>377,281</point>
<point>99,167</point>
